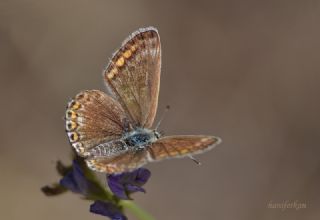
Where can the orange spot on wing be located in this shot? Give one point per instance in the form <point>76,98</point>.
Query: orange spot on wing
<point>127,54</point>
<point>71,114</point>
<point>75,106</point>
<point>184,151</point>
<point>173,153</point>
<point>112,73</point>
<point>133,48</point>
<point>73,136</point>
<point>120,62</point>
<point>162,155</point>
<point>71,125</point>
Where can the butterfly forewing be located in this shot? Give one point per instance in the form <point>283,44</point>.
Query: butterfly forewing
<point>181,146</point>
<point>93,117</point>
<point>133,75</point>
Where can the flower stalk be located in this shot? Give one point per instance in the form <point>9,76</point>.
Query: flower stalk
<point>136,210</point>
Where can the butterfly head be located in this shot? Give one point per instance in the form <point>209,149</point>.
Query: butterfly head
<point>157,134</point>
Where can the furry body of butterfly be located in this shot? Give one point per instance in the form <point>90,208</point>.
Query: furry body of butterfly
<point>139,139</point>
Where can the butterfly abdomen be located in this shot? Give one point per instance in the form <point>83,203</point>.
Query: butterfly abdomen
<point>109,149</point>
<point>136,140</point>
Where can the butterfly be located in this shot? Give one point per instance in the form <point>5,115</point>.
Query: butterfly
<point>113,132</point>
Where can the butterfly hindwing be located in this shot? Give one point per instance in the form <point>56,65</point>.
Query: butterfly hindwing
<point>133,75</point>
<point>123,162</point>
<point>181,146</point>
<point>93,117</point>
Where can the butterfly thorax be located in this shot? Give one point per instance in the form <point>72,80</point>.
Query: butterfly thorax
<point>140,138</point>
<point>136,140</point>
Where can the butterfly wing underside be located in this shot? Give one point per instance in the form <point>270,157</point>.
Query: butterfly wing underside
<point>121,163</point>
<point>133,76</point>
<point>93,117</point>
<point>164,148</point>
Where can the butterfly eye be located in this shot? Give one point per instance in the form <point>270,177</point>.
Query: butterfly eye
<point>157,134</point>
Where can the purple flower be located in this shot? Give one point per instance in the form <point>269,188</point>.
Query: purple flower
<point>107,209</point>
<point>76,181</point>
<point>122,185</point>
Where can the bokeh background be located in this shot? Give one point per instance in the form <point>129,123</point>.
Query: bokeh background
<point>246,71</point>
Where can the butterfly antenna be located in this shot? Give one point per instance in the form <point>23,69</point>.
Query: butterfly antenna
<point>194,160</point>
<point>162,116</point>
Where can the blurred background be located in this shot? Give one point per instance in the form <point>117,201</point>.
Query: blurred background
<point>246,71</point>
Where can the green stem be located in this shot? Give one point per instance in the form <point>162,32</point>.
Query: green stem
<point>136,210</point>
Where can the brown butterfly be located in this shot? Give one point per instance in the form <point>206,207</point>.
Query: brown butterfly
<point>114,132</point>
